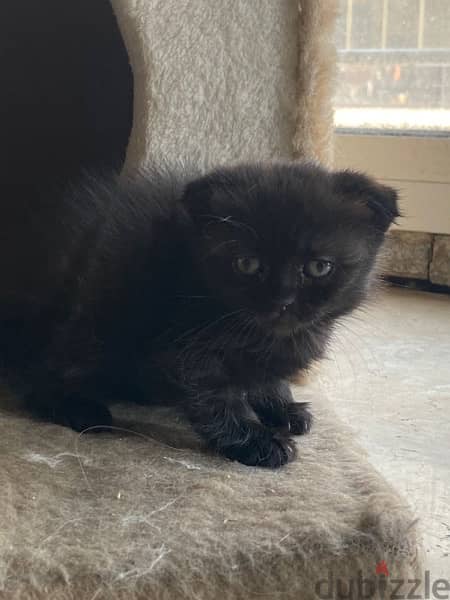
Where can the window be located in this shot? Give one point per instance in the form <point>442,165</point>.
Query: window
<point>394,64</point>
<point>393,101</point>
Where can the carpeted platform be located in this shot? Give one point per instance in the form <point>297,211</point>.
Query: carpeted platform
<point>149,514</point>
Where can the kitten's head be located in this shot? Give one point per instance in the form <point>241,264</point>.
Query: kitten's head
<point>292,244</point>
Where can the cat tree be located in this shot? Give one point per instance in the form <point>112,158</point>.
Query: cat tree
<point>144,512</point>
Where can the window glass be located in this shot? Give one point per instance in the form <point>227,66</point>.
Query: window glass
<point>393,65</point>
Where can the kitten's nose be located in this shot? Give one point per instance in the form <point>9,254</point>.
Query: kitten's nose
<point>282,303</point>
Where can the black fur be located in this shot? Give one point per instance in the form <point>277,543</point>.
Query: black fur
<point>132,290</point>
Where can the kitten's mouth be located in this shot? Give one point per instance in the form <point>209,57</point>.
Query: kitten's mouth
<point>286,322</point>
<point>283,322</point>
<point>286,325</point>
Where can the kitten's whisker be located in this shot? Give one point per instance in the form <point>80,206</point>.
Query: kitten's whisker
<point>209,297</point>
<point>229,220</point>
<point>216,248</point>
<point>202,329</point>
<point>202,350</point>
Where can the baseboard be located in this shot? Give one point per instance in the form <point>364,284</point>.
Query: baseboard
<point>418,256</point>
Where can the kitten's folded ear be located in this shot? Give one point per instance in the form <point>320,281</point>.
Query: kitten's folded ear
<point>373,201</point>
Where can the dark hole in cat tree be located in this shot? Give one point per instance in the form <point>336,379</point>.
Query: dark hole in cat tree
<point>67,92</point>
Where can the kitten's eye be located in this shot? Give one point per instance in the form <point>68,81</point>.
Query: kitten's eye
<point>318,267</point>
<point>247,265</point>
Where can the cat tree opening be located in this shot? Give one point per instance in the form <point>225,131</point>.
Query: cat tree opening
<point>67,92</point>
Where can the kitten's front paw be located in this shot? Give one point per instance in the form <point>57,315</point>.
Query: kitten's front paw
<point>292,418</point>
<point>300,419</point>
<point>266,450</point>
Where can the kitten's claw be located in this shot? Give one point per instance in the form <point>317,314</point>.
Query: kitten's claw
<point>293,418</point>
<point>300,419</point>
<point>268,450</point>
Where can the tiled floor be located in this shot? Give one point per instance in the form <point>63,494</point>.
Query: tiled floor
<point>389,375</point>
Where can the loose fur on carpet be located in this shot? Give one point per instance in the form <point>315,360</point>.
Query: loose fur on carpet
<point>144,512</point>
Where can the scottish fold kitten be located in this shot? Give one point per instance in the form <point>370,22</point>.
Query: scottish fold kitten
<point>209,291</point>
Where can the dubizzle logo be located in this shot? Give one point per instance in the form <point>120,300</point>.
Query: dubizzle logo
<point>382,585</point>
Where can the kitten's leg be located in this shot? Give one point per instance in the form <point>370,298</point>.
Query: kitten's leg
<point>276,408</point>
<point>82,413</point>
<point>71,381</point>
<point>227,422</point>
<point>76,411</point>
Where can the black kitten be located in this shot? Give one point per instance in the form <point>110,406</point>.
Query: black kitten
<point>212,292</point>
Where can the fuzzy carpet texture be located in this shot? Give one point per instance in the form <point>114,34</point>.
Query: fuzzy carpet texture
<point>217,82</point>
<point>144,512</point>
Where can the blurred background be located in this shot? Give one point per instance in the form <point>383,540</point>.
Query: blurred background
<point>393,64</point>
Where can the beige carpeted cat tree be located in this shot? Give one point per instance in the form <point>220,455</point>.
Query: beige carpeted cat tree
<point>143,512</point>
